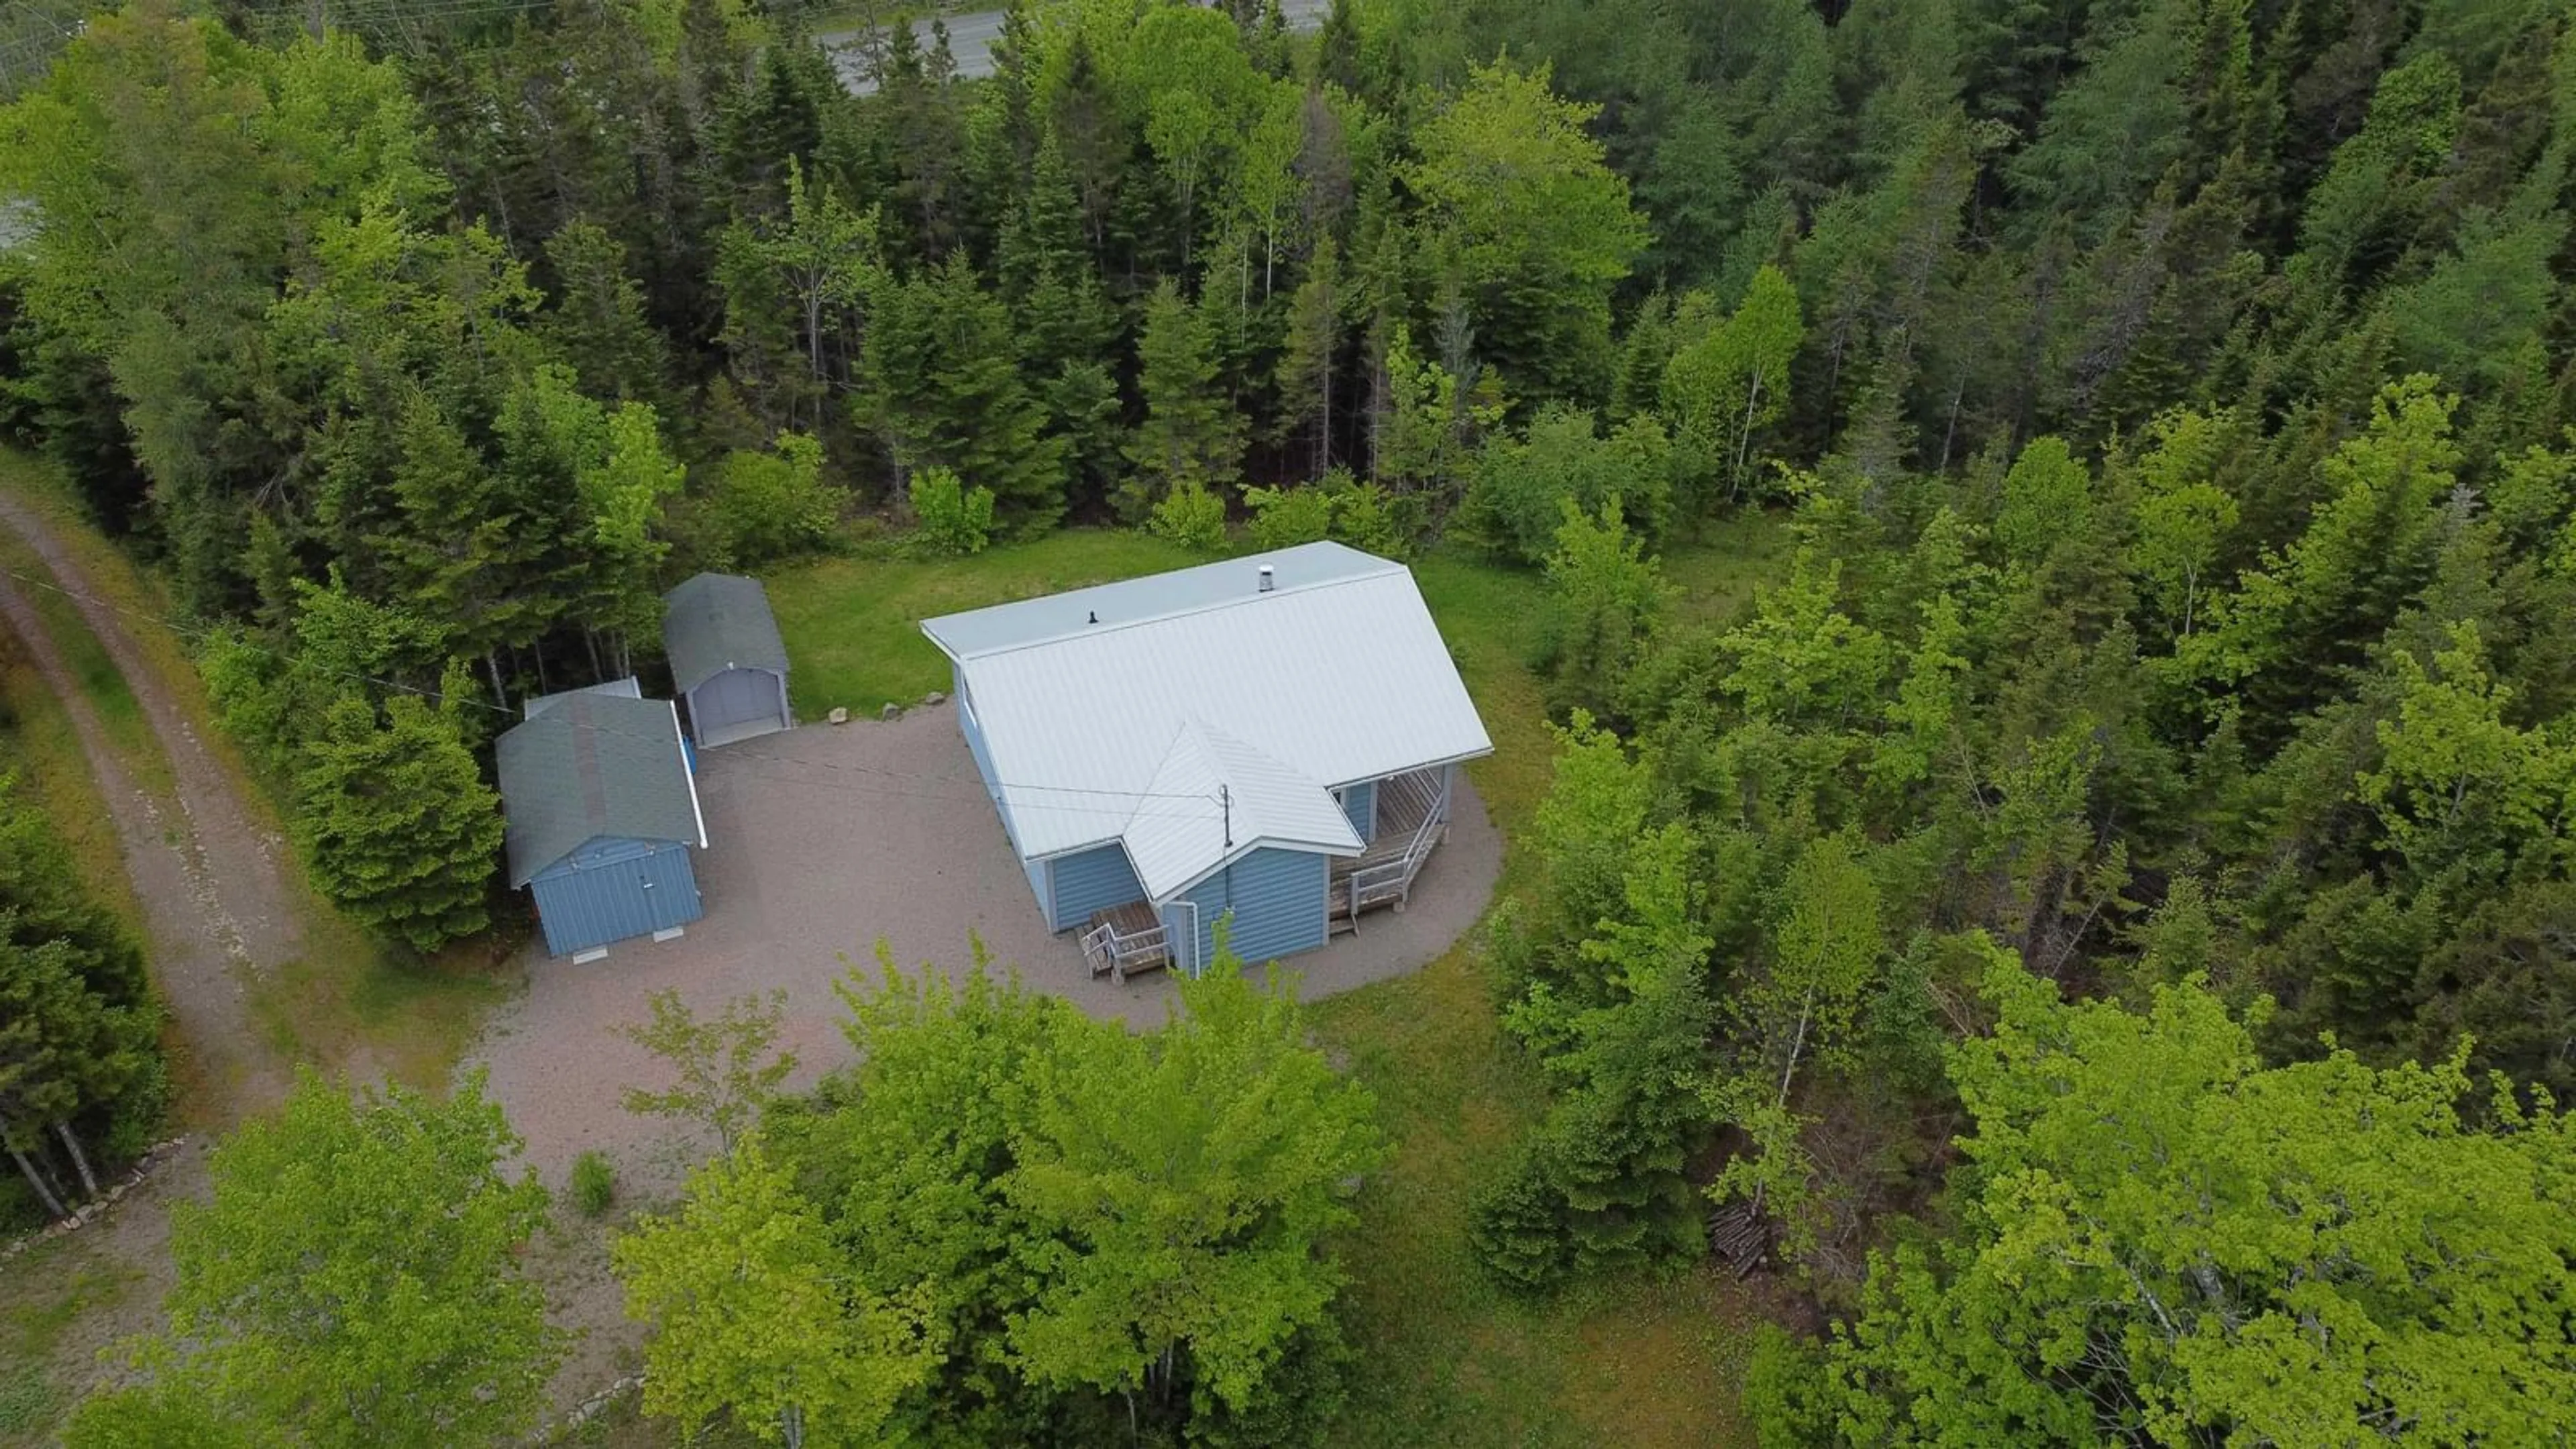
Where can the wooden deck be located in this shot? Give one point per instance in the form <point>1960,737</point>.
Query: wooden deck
<point>1132,919</point>
<point>1126,938</point>
<point>1412,819</point>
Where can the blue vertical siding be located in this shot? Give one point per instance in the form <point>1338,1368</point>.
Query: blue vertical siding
<point>1359,802</point>
<point>1276,900</point>
<point>1090,880</point>
<point>614,888</point>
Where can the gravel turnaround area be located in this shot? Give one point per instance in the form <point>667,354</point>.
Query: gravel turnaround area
<point>821,841</point>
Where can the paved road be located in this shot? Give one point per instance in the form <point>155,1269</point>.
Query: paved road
<point>971,37</point>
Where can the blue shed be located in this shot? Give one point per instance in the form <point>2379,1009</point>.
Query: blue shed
<point>1268,743</point>
<point>602,809</point>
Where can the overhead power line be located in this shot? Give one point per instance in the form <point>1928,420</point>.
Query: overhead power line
<point>1211,808</point>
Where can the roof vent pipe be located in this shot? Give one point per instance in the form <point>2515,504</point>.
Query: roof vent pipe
<point>1267,581</point>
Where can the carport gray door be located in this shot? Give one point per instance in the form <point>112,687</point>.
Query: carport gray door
<point>733,699</point>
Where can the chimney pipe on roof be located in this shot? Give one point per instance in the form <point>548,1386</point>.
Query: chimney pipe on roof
<point>1267,581</point>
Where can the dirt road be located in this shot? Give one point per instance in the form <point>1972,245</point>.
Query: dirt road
<point>208,877</point>
<point>218,915</point>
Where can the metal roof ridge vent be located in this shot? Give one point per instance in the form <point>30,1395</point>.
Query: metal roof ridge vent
<point>1269,578</point>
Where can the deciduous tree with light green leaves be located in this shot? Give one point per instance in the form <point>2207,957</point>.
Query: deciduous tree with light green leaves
<point>1724,388</point>
<point>2169,1243</point>
<point>1191,1232</point>
<point>726,1067</point>
<point>353,1281</point>
<point>2182,515</point>
<point>1531,224</point>
<point>1523,485</point>
<point>1426,425</point>
<point>973,1236</point>
<point>1605,596</point>
<point>774,505</point>
<point>794,288</point>
<point>2048,496</point>
<point>951,518</point>
<point>2456,783</point>
<point>755,1311</point>
<point>1796,1013</point>
<point>1800,659</point>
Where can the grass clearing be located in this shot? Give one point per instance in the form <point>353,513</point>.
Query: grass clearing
<point>1718,572</point>
<point>93,669</point>
<point>853,625</point>
<point>344,1001</point>
<point>38,743</point>
<point>1445,1355</point>
<point>54,1286</point>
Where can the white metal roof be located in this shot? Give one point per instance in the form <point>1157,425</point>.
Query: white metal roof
<point>1338,675</point>
<point>1259,802</point>
<point>1155,596</point>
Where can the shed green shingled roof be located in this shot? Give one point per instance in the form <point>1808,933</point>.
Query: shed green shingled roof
<point>594,765</point>
<point>716,622</point>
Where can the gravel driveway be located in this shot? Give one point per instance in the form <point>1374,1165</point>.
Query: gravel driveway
<point>821,841</point>
<point>824,840</point>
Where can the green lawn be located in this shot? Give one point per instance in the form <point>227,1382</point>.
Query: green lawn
<point>1444,1356</point>
<point>62,1285</point>
<point>39,746</point>
<point>1717,573</point>
<point>853,626</point>
<point>128,733</point>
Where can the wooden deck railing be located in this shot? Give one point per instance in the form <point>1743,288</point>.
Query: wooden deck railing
<point>1389,882</point>
<point>1106,948</point>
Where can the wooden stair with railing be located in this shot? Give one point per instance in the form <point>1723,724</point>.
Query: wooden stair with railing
<point>1125,939</point>
<point>1412,820</point>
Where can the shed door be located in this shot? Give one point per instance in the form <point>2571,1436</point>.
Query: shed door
<point>666,886</point>
<point>734,704</point>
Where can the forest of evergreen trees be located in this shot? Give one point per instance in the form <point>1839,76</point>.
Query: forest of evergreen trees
<point>2100,928</point>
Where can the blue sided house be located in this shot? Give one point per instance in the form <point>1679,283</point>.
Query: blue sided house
<point>602,809</point>
<point>1269,742</point>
